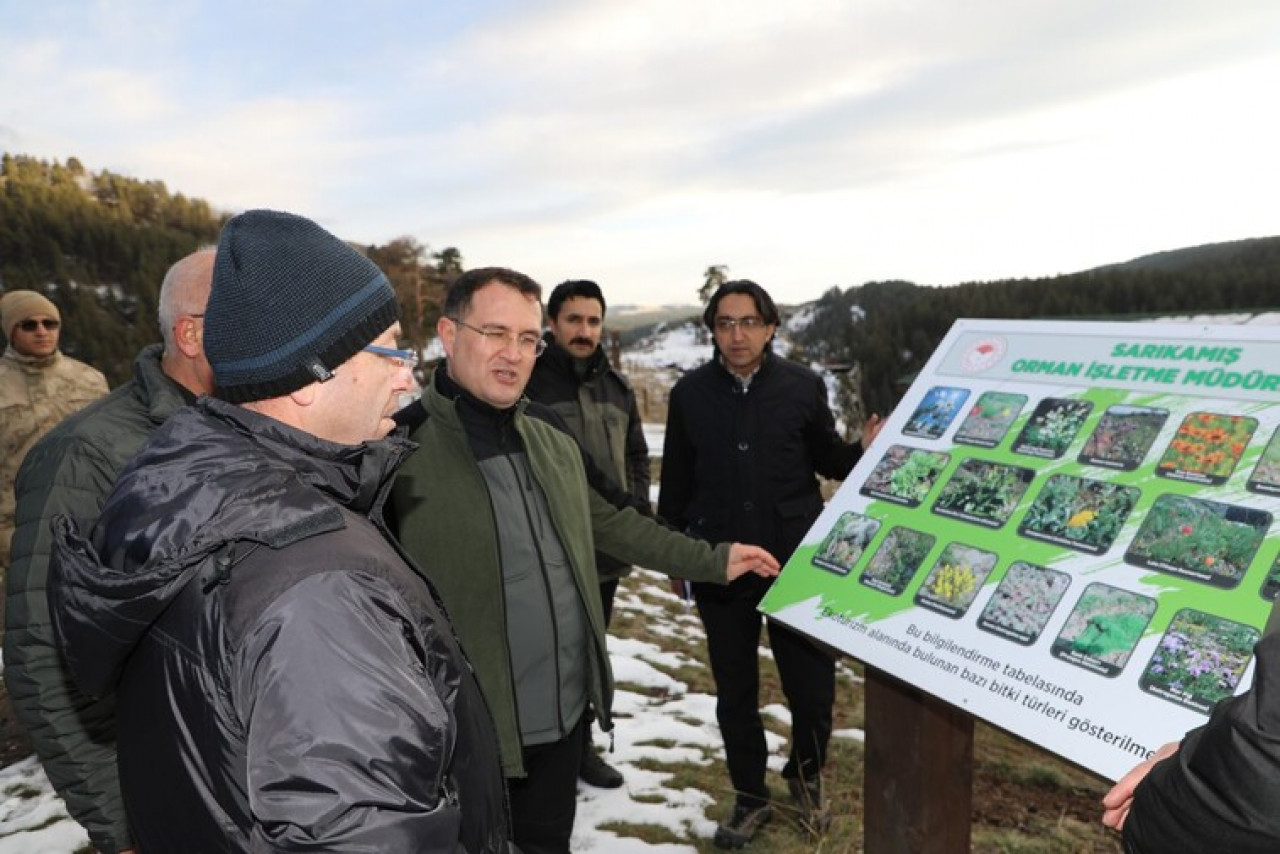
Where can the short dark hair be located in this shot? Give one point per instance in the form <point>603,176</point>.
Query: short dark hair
<point>572,289</point>
<point>457,300</point>
<point>764,302</point>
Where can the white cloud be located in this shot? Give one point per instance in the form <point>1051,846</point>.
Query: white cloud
<point>806,144</point>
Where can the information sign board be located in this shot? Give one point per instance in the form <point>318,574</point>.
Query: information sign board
<point>1064,529</point>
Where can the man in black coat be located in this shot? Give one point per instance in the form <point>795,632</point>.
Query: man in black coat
<point>746,433</point>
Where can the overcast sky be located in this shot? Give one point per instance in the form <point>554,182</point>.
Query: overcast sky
<point>803,144</point>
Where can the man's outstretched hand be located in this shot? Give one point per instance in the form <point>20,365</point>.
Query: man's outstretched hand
<point>744,559</point>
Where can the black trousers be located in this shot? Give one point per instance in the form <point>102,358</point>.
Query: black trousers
<point>608,590</point>
<point>808,675</point>
<point>544,802</point>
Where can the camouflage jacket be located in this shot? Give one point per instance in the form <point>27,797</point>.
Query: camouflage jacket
<point>35,394</point>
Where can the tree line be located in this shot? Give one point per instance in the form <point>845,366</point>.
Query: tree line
<point>890,329</point>
<point>98,244</point>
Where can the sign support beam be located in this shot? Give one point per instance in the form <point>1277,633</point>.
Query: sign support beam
<point>918,771</point>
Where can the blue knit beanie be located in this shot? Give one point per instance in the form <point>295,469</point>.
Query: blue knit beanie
<point>290,302</point>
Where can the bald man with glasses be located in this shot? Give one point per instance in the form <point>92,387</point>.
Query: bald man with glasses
<point>39,386</point>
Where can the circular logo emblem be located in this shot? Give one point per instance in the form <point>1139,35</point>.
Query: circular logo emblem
<point>983,354</point>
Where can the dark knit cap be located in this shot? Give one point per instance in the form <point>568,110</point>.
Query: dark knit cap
<point>290,302</point>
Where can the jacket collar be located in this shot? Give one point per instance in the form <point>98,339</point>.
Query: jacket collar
<point>162,395</point>
<point>355,476</point>
<point>766,367</point>
<point>563,362</point>
<point>32,363</point>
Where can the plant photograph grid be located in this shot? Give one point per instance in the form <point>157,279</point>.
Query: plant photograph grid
<point>955,579</point>
<point>1207,447</point>
<point>1205,540</point>
<point>940,406</point>
<point>1123,437</point>
<point>1199,660</point>
<point>1079,513</point>
<point>983,492</point>
<point>990,419</point>
<point>905,475</point>
<point>1023,601</point>
<point>846,542</point>
<point>1052,427</point>
<point>1271,584</point>
<point>895,563</point>
<point>1103,628</point>
<point>1266,474</point>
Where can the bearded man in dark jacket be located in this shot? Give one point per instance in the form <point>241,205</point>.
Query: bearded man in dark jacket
<point>70,472</point>
<point>746,434</point>
<point>286,680</point>
<point>574,378</point>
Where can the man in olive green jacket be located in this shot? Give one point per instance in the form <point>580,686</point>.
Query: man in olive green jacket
<point>71,471</point>
<point>495,506</point>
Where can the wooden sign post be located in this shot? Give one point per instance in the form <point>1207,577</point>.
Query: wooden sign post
<point>918,774</point>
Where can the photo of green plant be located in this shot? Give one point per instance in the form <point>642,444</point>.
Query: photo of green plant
<point>990,419</point>
<point>905,475</point>
<point>936,411</point>
<point>1023,602</point>
<point>1266,474</point>
<point>955,579</point>
<point>895,563</point>
<point>1052,427</point>
<point>1103,628</point>
<point>1271,584</point>
<point>982,492</point>
<point>1123,436</point>
<point>1200,660</point>
<point>1205,540</point>
<point>1207,447</point>
<point>1079,513</point>
<point>846,542</point>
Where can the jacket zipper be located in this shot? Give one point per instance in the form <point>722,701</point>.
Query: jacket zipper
<point>525,488</point>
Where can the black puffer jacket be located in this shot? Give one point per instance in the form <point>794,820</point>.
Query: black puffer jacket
<point>739,466</point>
<point>285,680</point>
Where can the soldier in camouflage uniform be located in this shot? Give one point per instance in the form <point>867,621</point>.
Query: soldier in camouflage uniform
<point>38,388</point>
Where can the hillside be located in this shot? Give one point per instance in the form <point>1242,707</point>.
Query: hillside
<point>99,244</point>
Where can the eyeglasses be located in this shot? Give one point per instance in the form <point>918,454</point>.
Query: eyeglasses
<point>748,324</point>
<point>31,324</point>
<point>401,358</point>
<point>528,343</point>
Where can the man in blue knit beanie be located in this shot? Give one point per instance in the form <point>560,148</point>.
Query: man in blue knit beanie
<point>285,679</point>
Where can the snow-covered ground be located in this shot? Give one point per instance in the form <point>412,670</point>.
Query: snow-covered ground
<point>665,725</point>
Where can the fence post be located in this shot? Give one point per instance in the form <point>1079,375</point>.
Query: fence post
<point>917,788</point>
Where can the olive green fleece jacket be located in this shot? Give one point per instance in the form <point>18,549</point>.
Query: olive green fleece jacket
<point>445,522</point>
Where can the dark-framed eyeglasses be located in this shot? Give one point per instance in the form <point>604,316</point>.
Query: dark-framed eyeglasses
<point>31,324</point>
<point>747,324</point>
<point>401,358</point>
<point>528,343</point>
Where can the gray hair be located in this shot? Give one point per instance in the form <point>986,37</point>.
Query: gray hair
<point>177,298</point>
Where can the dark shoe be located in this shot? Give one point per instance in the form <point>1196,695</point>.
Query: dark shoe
<point>594,771</point>
<point>742,825</point>
<point>813,814</point>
